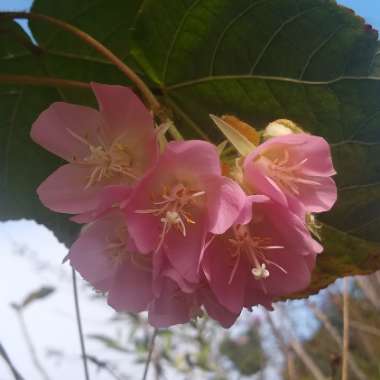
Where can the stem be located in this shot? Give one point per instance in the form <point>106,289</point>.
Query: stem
<point>105,52</point>
<point>30,345</point>
<point>149,359</point>
<point>79,323</point>
<point>346,331</point>
<point>6,358</point>
<point>41,81</point>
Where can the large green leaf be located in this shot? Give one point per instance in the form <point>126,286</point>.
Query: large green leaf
<point>110,22</point>
<point>308,60</point>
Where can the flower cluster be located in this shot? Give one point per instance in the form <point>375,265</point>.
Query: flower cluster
<point>164,230</point>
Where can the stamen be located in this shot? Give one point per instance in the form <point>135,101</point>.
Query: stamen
<point>286,176</point>
<point>172,207</point>
<point>254,248</point>
<point>107,161</point>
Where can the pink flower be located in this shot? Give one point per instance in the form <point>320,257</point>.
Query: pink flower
<point>106,256</point>
<point>174,306</point>
<point>293,170</point>
<point>115,145</point>
<point>179,202</point>
<point>253,263</point>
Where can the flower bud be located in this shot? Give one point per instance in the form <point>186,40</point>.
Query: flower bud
<point>280,127</point>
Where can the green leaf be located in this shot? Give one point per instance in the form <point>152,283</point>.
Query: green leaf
<point>35,295</point>
<point>110,22</point>
<point>313,62</point>
<point>108,342</point>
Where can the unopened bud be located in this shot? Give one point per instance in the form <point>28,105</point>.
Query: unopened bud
<point>281,127</point>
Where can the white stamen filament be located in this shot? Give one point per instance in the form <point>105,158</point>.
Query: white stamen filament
<point>254,248</point>
<point>173,210</point>
<point>287,176</point>
<point>107,161</point>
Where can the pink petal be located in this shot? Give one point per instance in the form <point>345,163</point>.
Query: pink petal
<point>255,296</point>
<point>245,215</point>
<point>296,279</point>
<point>184,252</point>
<point>192,158</point>
<point>285,228</point>
<point>122,110</point>
<point>218,266</point>
<point>172,307</point>
<point>318,153</point>
<point>261,183</point>
<point>109,198</point>
<point>88,255</point>
<point>320,198</point>
<point>225,201</point>
<point>131,289</point>
<point>215,310</point>
<point>64,190</point>
<point>52,129</point>
<point>145,228</point>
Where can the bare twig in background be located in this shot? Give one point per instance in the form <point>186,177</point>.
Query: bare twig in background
<point>323,318</point>
<point>79,323</point>
<point>346,330</point>
<point>149,359</point>
<point>298,348</point>
<point>368,290</point>
<point>284,347</point>
<point>365,328</point>
<point>29,343</point>
<point>377,275</point>
<point>6,358</point>
<point>101,364</point>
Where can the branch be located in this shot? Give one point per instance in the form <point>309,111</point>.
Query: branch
<point>298,348</point>
<point>149,359</point>
<point>346,330</point>
<point>323,318</point>
<point>30,344</point>
<point>79,323</point>
<point>365,328</point>
<point>7,359</point>
<point>41,81</point>
<point>369,291</point>
<point>100,48</point>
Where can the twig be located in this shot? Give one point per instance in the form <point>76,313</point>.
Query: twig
<point>346,331</point>
<point>79,323</point>
<point>367,329</point>
<point>42,81</point>
<point>369,291</point>
<point>298,348</point>
<point>144,89</point>
<point>7,359</point>
<point>30,344</point>
<point>323,318</point>
<point>149,359</point>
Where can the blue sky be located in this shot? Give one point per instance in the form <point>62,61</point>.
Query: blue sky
<point>369,9</point>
